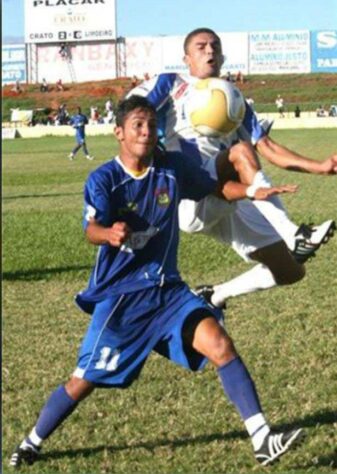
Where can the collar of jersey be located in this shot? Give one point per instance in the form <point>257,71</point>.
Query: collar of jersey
<point>132,173</point>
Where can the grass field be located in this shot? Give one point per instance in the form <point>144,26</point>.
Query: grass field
<point>170,420</point>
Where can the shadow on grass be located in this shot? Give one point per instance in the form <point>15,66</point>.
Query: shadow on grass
<point>310,421</point>
<point>23,196</point>
<point>38,274</point>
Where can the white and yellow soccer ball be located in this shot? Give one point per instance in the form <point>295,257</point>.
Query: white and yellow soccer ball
<point>216,107</point>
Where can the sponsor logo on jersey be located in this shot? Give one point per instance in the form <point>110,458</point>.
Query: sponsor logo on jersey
<point>130,207</point>
<point>162,197</point>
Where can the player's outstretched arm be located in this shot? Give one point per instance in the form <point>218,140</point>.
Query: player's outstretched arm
<point>233,191</point>
<point>115,235</point>
<point>285,158</point>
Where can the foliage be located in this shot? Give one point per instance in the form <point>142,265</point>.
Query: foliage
<point>171,421</point>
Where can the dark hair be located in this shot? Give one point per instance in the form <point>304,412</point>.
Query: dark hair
<point>196,32</point>
<point>126,106</point>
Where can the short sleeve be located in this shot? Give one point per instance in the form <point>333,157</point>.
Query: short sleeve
<point>251,130</point>
<point>196,182</point>
<point>97,200</point>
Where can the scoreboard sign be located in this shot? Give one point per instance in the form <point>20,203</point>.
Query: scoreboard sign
<point>53,21</point>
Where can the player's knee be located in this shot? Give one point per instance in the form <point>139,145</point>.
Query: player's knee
<point>221,349</point>
<point>242,156</point>
<point>78,389</point>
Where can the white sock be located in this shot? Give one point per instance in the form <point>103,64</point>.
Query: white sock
<point>258,429</point>
<point>272,209</point>
<point>257,278</point>
<point>35,439</point>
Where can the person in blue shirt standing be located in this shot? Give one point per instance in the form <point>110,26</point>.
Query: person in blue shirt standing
<point>79,121</point>
<point>135,294</point>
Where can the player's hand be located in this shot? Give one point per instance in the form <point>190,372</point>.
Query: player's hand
<point>118,234</point>
<point>329,166</point>
<point>264,193</point>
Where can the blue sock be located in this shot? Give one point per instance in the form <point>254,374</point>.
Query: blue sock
<point>57,408</point>
<point>240,388</point>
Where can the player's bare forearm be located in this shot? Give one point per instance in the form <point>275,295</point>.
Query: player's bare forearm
<point>287,159</point>
<point>234,191</point>
<point>115,235</point>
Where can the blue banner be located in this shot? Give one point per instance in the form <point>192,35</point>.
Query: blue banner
<point>324,51</point>
<point>13,64</point>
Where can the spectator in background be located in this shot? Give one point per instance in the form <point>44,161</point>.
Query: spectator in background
<point>62,117</point>
<point>228,76</point>
<point>279,102</point>
<point>320,112</point>
<point>94,116</point>
<point>239,78</point>
<point>17,87</point>
<point>297,112</point>
<point>109,106</point>
<point>146,76</point>
<point>63,51</point>
<point>333,111</point>
<point>134,81</point>
<point>59,86</point>
<point>44,86</point>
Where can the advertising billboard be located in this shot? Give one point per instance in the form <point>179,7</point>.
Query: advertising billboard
<point>279,52</point>
<point>52,21</point>
<point>235,50</point>
<point>324,51</point>
<point>13,63</point>
<point>86,62</point>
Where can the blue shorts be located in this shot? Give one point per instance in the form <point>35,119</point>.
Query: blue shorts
<point>124,329</point>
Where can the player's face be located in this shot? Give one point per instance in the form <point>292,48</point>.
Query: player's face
<point>138,135</point>
<point>204,56</point>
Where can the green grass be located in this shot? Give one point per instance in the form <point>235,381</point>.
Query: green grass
<point>170,421</point>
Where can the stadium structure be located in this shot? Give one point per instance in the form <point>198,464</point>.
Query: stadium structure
<point>77,41</point>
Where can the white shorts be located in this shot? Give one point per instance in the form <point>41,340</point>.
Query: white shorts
<point>238,224</point>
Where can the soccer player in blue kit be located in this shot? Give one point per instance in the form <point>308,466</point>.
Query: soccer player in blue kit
<point>79,121</point>
<point>259,231</point>
<point>135,294</point>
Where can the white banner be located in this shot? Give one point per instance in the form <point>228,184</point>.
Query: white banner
<point>173,54</point>
<point>143,56</point>
<point>158,54</point>
<point>51,21</point>
<point>235,50</point>
<point>277,52</point>
<point>87,62</point>
<point>8,133</point>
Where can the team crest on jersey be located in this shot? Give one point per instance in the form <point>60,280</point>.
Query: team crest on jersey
<point>130,207</point>
<point>163,197</point>
<point>180,91</point>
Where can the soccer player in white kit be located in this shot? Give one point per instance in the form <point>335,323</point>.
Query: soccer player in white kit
<point>257,230</point>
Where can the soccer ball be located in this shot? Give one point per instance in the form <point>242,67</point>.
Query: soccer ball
<point>216,107</point>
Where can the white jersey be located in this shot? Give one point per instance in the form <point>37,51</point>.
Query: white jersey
<point>170,94</point>
<point>239,223</point>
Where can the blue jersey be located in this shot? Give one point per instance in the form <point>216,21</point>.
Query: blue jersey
<point>149,205</point>
<point>79,121</point>
<point>170,93</point>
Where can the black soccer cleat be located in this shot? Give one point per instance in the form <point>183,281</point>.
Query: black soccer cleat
<point>27,455</point>
<point>206,291</point>
<point>276,444</point>
<point>309,238</point>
